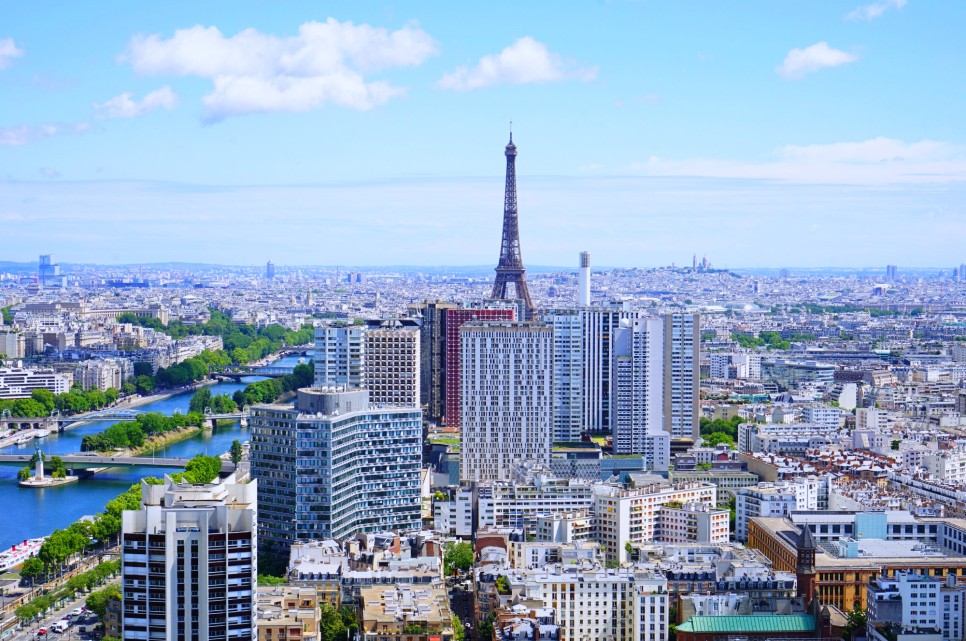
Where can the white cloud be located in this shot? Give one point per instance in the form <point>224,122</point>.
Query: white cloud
<point>877,161</point>
<point>8,51</point>
<point>254,72</point>
<point>124,106</point>
<point>523,62</point>
<point>874,151</point>
<point>874,10</point>
<point>799,62</point>
<point>23,134</point>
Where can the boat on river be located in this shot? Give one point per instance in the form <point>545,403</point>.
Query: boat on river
<point>19,553</point>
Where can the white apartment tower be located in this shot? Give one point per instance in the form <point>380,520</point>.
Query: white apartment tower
<point>189,562</point>
<point>340,355</point>
<point>682,339</point>
<point>506,397</point>
<point>582,364</point>
<point>393,365</point>
<point>638,391</point>
<point>568,376</point>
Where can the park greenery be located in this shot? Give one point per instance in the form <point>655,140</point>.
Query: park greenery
<point>770,340</point>
<point>133,434</point>
<point>77,583</point>
<point>457,557</point>
<point>720,430</point>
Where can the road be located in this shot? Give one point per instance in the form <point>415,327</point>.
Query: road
<point>461,603</point>
<point>30,632</point>
<point>10,604</point>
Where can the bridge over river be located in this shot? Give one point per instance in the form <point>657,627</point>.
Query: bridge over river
<point>95,462</point>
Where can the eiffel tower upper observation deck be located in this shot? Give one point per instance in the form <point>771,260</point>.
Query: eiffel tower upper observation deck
<point>510,269</point>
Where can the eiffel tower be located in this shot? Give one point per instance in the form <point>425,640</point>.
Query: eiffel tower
<point>510,269</point>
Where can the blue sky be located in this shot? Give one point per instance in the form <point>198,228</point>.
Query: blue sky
<point>757,133</point>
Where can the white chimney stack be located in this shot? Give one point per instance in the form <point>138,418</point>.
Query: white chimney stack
<point>583,294</point>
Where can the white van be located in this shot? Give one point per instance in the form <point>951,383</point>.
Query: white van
<point>60,626</point>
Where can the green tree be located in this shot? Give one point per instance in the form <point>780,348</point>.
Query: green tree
<point>457,556</point>
<point>97,601</point>
<point>236,452</point>
<point>705,466</point>
<point>459,631</point>
<point>27,612</point>
<point>895,444</point>
<point>45,397</point>
<point>855,623</point>
<point>486,626</point>
<point>200,400</point>
<point>24,473</point>
<point>32,568</point>
<point>144,384</point>
<point>331,626</point>
<point>349,620</point>
<point>143,369</point>
<point>28,407</point>
<point>223,404</point>
<point>716,438</point>
<point>202,469</point>
<point>267,579</point>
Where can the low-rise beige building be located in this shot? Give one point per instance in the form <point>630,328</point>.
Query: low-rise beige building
<point>396,613</point>
<point>287,613</point>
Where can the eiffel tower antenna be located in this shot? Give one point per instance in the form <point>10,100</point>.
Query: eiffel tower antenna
<point>510,269</point>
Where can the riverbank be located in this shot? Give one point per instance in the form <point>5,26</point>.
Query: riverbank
<point>137,401</point>
<point>22,437</point>
<point>156,443</point>
<point>60,507</point>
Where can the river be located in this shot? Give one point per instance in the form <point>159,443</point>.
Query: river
<point>29,513</point>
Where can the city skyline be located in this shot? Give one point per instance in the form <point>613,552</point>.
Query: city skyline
<point>831,131</point>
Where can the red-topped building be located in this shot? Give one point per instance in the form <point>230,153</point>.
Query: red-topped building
<point>455,318</point>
